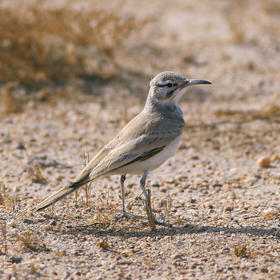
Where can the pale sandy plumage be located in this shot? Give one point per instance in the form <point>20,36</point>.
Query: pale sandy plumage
<point>144,143</point>
<point>129,148</point>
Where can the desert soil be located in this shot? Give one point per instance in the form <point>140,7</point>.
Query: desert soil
<point>222,203</point>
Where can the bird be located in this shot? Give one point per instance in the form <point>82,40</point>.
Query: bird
<point>143,144</point>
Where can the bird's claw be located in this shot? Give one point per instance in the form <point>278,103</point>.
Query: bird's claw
<point>124,215</point>
<point>157,222</point>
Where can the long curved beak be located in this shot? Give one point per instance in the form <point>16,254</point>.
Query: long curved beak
<point>197,82</point>
<point>190,82</point>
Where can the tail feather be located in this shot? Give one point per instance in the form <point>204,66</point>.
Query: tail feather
<point>53,198</point>
<point>60,194</point>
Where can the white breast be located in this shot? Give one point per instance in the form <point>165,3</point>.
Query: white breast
<point>151,163</point>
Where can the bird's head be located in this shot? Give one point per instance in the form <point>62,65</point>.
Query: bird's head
<point>167,86</point>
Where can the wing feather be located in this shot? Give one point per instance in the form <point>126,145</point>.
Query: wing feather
<point>134,142</point>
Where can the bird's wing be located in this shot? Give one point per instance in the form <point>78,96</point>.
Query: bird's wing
<point>141,147</point>
<point>140,139</point>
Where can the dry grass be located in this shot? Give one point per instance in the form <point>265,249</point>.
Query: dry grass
<point>240,250</point>
<point>40,44</point>
<point>6,199</point>
<point>4,247</point>
<point>9,102</point>
<point>243,15</point>
<point>36,175</point>
<point>103,243</point>
<point>30,241</point>
<point>270,112</point>
<point>88,186</point>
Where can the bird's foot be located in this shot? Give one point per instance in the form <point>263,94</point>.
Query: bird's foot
<point>157,222</point>
<point>124,215</point>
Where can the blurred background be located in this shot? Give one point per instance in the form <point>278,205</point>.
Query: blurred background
<point>48,48</point>
<point>74,72</point>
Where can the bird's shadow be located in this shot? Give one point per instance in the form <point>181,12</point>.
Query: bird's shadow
<point>100,230</point>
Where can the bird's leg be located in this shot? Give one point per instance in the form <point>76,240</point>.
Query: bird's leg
<point>124,213</point>
<point>142,185</point>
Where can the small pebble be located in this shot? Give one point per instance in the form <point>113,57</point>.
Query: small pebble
<point>28,221</point>
<point>216,217</point>
<point>12,223</point>
<point>264,162</point>
<point>264,270</point>
<point>15,259</point>
<point>270,212</point>
<point>20,146</point>
<point>274,158</point>
<point>53,223</point>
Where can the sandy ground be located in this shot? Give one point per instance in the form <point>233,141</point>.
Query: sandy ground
<point>222,205</point>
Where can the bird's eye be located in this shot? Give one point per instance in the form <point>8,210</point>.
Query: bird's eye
<point>169,85</point>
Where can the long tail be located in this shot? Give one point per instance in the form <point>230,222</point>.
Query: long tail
<point>60,194</point>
